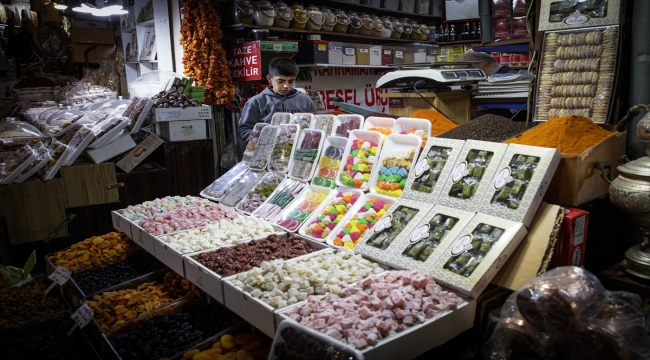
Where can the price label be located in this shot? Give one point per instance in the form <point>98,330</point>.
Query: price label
<point>29,264</point>
<point>81,317</point>
<point>349,51</point>
<point>277,47</point>
<point>60,275</point>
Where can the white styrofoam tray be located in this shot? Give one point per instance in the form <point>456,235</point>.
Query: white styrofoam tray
<point>333,196</point>
<point>354,136</point>
<point>323,122</point>
<point>18,170</point>
<point>226,180</point>
<point>81,147</point>
<point>319,150</point>
<point>55,169</point>
<point>283,176</point>
<point>34,170</point>
<point>142,116</point>
<point>307,202</point>
<point>142,238</point>
<point>379,122</point>
<point>122,224</point>
<point>337,142</point>
<point>259,149</point>
<point>394,142</point>
<point>403,124</point>
<point>275,143</point>
<point>264,211</point>
<point>109,137</point>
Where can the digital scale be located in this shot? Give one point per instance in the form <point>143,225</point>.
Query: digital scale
<point>431,76</point>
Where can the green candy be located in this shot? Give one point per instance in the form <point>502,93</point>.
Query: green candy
<point>346,231</point>
<point>355,167</point>
<point>367,206</point>
<point>354,153</point>
<point>402,183</point>
<point>363,221</point>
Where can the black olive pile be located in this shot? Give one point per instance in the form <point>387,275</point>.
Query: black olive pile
<point>170,334</point>
<point>97,279</point>
<point>48,340</point>
<point>301,346</point>
<point>172,99</point>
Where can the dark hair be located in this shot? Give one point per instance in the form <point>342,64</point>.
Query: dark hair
<point>483,58</point>
<point>283,66</point>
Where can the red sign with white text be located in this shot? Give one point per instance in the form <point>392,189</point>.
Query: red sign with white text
<point>245,61</point>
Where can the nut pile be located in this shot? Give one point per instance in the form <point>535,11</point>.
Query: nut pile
<point>97,251</point>
<point>21,304</point>
<point>243,257</point>
<point>280,283</point>
<point>112,309</point>
<point>223,233</point>
<point>243,346</point>
<point>171,98</point>
<point>161,206</point>
<point>187,218</point>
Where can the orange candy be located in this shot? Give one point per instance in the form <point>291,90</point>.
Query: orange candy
<point>337,241</point>
<point>395,186</point>
<point>358,183</point>
<point>362,227</point>
<point>318,228</point>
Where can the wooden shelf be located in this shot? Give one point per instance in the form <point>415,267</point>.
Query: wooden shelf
<point>346,66</point>
<point>377,10</point>
<point>475,41</point>
<point>478,41</point>
<point>460,21</point>
<point>238,27</point>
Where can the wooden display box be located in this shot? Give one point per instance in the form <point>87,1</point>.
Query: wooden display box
<point>577,181</point>
<point>454,104</point>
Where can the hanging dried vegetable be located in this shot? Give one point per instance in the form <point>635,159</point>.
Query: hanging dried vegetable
<point>204,58</point>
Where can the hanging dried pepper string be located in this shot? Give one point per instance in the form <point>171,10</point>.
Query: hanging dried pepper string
<point>204,58</point>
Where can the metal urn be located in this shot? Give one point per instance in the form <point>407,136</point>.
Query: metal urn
<point>630,192</point>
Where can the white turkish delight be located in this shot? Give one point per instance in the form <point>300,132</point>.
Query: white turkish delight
<point>256,293</point>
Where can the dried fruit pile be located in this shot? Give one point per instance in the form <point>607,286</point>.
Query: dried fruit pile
<point>204,57</point>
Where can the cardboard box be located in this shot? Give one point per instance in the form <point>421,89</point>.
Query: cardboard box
<point>461,9</point>
<point>183,130</point>
<point>572,241</point>
<point>515,179</point>
<point>120,223</point>
<point>501,29</point>
<point>502,9</point>
<point>524,60</point>
<point>577,181</point>
<point>188,113</point>
<point>143,238</point>
<point>101,52</point>
<point>518,8</point>
<point>460,266</point>
<point>456,49</point>
<point>123,144</point>
<point>145,147</point>
<point>514,60</point>
<point>519,29</point>
<point>553,16</point>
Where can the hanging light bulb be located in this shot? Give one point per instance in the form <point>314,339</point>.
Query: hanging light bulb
<point>84,8</point>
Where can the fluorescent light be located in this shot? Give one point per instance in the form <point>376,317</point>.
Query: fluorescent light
<point>84,8</point>
<point>103,11</point>
<point>60,7</point>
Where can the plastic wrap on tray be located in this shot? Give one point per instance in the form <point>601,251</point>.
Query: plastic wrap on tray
<point>390,227</point>
<point>430,166</point>
<point>303,120</point>
<point>283,195</point>
<point>280,118</point>
<point>483,237</point>
<point>15,163</point>
<point>566,313</point>
<point>305,154</point>
<point>83,94</point>
<point>60,121</point>
<point>219,187</point>
<point>42,157</point>
<point>293,216</point>
<point>343,124</point>
<point>321,226</point>
<point>293,339</point>
<point>240,188</point>
<point>79,138</point>
<point>262,152</point>
<point>438,227</point>
<point>57,150</point>
<point>284,142</point>
<point>360,218</point>
<point>16,134</point>
<point>109,107</point>
<point>262,190</point>
<point>325,123</point>
<point>329,162</point>
<point>477,162</point>
<point>522,169</point>
<point>107,129</point>
<point>135,109</point>
<point>161,206</point>
<point>252,144</point>
<point>42,116</point>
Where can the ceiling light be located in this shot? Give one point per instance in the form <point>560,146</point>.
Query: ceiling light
<point>101,10</point>
<point>60,7</point>
<point>84,8</point>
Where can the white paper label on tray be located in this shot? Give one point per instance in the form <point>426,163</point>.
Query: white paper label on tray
<point>82,316</point>
<point>502,178</point>
<point>421,167</point>
<point>60,275</point>
<point>419,234</point>
<point>383,223</point>
<point>459,172</point>
<point>463,244</point>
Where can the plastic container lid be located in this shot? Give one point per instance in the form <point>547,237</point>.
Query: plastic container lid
<point>11,129</point>
<point>109,107</point>
<point>107,129</point>
<point>60,121</point>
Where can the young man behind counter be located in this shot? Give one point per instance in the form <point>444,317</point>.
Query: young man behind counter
<point>279,97</point>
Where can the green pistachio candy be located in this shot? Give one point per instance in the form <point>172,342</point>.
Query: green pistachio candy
<point>425,254</point>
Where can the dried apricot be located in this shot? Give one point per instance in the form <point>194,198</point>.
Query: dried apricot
<point>242,339</point>
<point>190,354</point>
<point>244,355</point>
<point>228,341</point>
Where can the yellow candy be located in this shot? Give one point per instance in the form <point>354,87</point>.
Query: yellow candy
<point>361,155</point>
<point>340,208</point>
<point>381,212</point>
<point>354,229</point>
<point>363,167</point>
<point>398,193</point>
<point>366,177</point>
<point>349,245</point>
<point>339,218</point>
<point>329,209</point>
<point>354,223</point>
<point>373,150</point>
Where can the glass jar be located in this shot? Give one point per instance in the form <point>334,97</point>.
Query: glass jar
<point>379,26</point>
<point>416,30</point>
<point>329,20</point>
<point>387,31</point>
<point>316,19</point>
<point>424,32</point>
<point>406,24</point>
<point>283,15</point>
<point>242,12</point>
<point>300,17</point>
<point>355,23</point>
<point>367,24</point>
<point>264,14</point>
<point>342,22</point>
<point>398,29</point>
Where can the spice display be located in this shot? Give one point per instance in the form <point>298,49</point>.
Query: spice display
<point>223,233</point>
<point>228,261</point>
<point>342,22</point>
<point>395,168</point>
<point>355,23</point>
<point>242,12</point>
<point>48,340</point>
<point>328,166</point>
<point>367,25</point>
<point>297,344</point>
<point>112,309</point>
<point>241,188</point>
<point>477,161</point>
<point>568,134</point>
<point>203,55</point>
<point>300,17</point>
<point>522,169</point>
<point>390,227</point>
<point>220,187</point>
<point>439,122</point>
<point>369,213</point>
<point>186,218</point>
<point>358,164</point>
<point>437,228</point>
<point>252,144</point>
<point>329,20</point>
<point>264,14</point>
<point>28,302</point>
<point>262,190</point>
<point>245,346</point>
<point>398,29</point>
<point>378,26</point>
<point>264,148</point>
<point>94,280</point>
<point>293,216</point>
<point>283,15</point>
<point>316,19</point>
<point>94,252</point>
<point>304,157</point>
<point>280,283</point>
<point>332,215</point>
<point>161,206</point>
<point>301,119</point>
<point>486,128</point>
<point>428,169</point>
<point>376,308</point>
<point>482,239</point>
<point>577,73</point>
<point>281,153</point>
<point>284,194</point>
<point>176,332</point>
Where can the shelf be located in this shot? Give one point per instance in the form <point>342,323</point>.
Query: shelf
<point>346,66</point>
<point>373,9</point>
<point>457,21</point>
<point>474,41</point>
<point>147,23</point>
<point>131,62</point>
<point>508,42</point>
<point>238,27</point>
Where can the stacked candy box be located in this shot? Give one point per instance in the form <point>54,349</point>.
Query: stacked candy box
<point>302,208</point>
<point>360,155</point>
<point>400,152</point>
<point>329,162</point>
<point>361,217</point>
<point>320,227</point>
<point>285,140</point>
<point>252,144</point>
